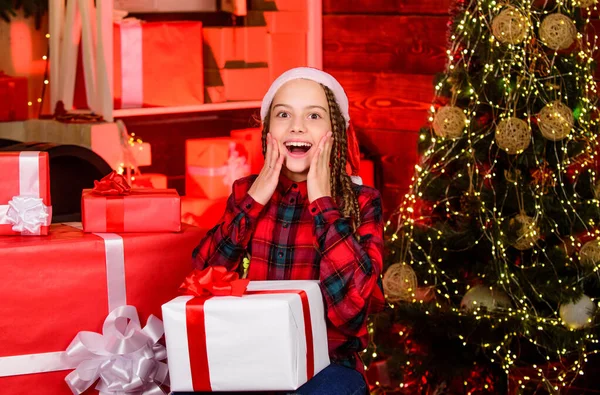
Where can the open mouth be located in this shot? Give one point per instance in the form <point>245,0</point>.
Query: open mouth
<point>298,148</point>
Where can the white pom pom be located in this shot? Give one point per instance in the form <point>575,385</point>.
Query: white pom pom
<point>577,315</point>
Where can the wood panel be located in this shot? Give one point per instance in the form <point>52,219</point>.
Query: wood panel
<point>387,100</point>
<point>399,44</point>
<point>397,150</point>
<point>386,6</point>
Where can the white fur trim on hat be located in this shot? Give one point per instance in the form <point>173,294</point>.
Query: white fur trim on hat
<point>307,73</point>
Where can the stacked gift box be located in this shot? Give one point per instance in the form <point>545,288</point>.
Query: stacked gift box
<point>175,63</point>
<point>83,302</point>
<point>79,282</point>
<point>212,165</point>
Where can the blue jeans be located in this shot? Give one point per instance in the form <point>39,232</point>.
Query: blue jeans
<point>333,380</point>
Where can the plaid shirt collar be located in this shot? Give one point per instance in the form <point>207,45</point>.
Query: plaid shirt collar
<point>286,185</point>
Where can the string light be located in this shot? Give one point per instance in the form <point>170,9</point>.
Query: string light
<point>542,74</point>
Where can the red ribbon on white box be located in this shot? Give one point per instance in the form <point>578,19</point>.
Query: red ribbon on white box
<point>126,357</point>
<point>26,212</point>
<point>206,348</point>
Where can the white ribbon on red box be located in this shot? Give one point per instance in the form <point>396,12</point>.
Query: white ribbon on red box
<point>126,357</point>
<point>26,212</point>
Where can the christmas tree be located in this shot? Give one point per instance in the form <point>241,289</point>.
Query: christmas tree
<point>491,269</point>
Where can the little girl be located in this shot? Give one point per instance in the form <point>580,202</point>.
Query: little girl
<point>303,218</point>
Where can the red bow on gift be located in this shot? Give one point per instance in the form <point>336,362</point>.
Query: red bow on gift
<point>213,281</point>
<point>113,184</point>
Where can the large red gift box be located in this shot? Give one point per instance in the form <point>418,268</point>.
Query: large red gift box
<point>156,64</point>
<point>13,98</point>
<point>56,286</point>
<point>141,210</point>
<point>212,165</point>
<point>25,207</point>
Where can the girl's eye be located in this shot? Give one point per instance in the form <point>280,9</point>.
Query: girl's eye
<point>314,115</point>
<point>282,114</point>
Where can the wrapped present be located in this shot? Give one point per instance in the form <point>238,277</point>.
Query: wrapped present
<point>234,44</point>
<point>73,286</point>
<point>25,207</point>
<point>156,64</point>
<point>279,21</point>
<point>201,212</point>
<point>112,206</point>
<point>13,98</point>
<point>212,165</point>
<point>149,180</point>
<point>286,50</point>
<point>272,338</point>
<point>237,84</point>
<point>251,139</point>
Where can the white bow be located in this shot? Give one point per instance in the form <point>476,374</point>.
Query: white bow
<point>125,357</point>
<point>27,214</point>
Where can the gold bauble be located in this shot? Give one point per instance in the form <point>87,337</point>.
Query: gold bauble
<point>589,254</point>
<point>513,135</point>
<point>399,282</point>
<point>528,232</point>
<point>510,26</point>
<point>483,296</point>
<point>555,121</point>
<point>449,121</point>
<point>558,31</point>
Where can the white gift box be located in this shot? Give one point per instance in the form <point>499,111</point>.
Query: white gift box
<point>257,342</point>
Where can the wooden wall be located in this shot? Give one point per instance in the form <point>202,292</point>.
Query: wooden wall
<point>385,54</point>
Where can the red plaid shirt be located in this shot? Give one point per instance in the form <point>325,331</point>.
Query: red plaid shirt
<point>290,239</point>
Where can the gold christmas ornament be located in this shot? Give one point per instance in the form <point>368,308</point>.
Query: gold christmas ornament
<point>555,121</point>
<point>589,254</point>
<point>483,296</point>
<point>399,282</point>
<point>513,135</point>
<point>449,121</point>
<point>558,31</point>
<point>584,3</point>
<point>578,314</point>
<point>528,232</point>
<point>510,26</point>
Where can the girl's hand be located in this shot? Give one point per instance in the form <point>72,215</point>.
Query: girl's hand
<point>263,187</point>
<point>319,174</point>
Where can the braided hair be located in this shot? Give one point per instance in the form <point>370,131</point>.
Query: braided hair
<point>341,183</point>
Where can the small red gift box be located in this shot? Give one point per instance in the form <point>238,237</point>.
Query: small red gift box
<point>25,207</point>
<point>212,165</point>
<point>112,206</point>
<point>13,98</point>
<point>73,280</point>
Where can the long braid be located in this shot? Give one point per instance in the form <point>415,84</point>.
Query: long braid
<point>265,130</point>
<point>341,183</point>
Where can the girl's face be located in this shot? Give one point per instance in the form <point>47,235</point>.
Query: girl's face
<point>299,120</point>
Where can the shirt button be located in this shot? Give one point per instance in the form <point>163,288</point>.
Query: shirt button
<point>285,224</point>
<point>294,185</point>
<point>292,200</point>
<point>280,254</point>
<point>314,209</point>
<point>248,205</point>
